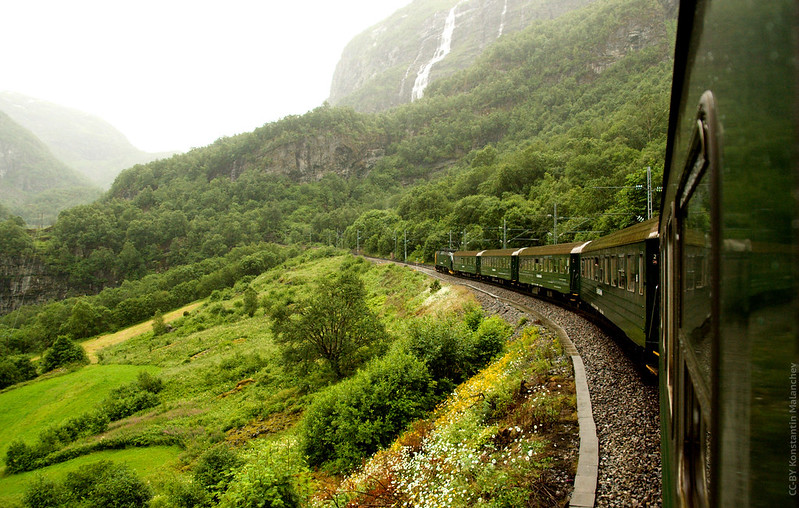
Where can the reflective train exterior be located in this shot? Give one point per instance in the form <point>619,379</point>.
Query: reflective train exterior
<point>728,240</point>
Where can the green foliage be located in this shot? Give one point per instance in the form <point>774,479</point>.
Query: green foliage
<point>445,346</point>
<point>63,352</point>
<point>360,415</point>
<point>99,484</point>
<point>274,477</point>
<point>15,369</point>
<point>133,397</point>
<point>334,325</point>
<point>20,457</point>
<point>490,338</point>
<point>159,326</point>
<point>250,301</point>
<point>215,469</point>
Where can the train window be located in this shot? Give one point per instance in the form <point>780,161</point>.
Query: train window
<point>695,311</point>
<point>632,275</point>
<point>614,274</point>
<point>622,273</point>
<point>606,269</point>
<point>597,270</point>
<point>640,273</point>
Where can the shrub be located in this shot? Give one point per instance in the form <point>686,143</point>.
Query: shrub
<point>489,340</point>
<point>20,457</point>
<point>473,316</point>
<point>63,352</point>
<point>215,468</point>
<point>356,417</point>
<point>15,369</point>
<point>273,478</point>
<point>444,345</point>
<point>106,484</point>
<point>43,493</point>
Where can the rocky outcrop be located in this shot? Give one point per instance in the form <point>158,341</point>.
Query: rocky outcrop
<point>311,157</point>
<point>26,282</point>
<point>380,67</point>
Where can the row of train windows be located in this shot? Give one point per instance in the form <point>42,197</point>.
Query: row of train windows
<point>492,262</point>
<point>616,271</point>
<point>465,261</point>
<point>549,265</point>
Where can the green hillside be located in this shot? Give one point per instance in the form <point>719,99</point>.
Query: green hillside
<point>34,184</point>
<point>226,407</point>
<point>90,145</point>
<point>567,113</point>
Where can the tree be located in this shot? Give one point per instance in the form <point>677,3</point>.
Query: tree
<point>63,352</point>
<point>250,301</point>
<point>334,325</point>
<point>159,326</point>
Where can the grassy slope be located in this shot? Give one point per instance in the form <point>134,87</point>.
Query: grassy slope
<point>28,409</point>
<point>202,362</point>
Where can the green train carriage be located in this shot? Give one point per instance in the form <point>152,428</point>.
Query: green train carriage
<point>618,277</point>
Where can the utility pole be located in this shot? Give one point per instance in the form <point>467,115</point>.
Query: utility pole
<point>555,233</point>
<point>649,192</point>
<point>450,240</point>
<point>504,233</point>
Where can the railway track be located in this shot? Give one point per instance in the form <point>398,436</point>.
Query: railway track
<point>623,402</point>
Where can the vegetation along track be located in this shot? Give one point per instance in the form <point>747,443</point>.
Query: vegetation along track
<point>624,403</point>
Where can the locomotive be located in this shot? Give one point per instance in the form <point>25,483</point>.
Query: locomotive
<point>707,291</point>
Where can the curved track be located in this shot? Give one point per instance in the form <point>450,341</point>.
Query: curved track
<point>623,402</point>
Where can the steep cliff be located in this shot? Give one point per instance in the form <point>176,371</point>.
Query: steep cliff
<point>393,62</point>
<point>28,281</point>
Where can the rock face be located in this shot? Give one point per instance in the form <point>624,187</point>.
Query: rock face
<point>312,157</point>
<point>391,63</point>
<point>27,282</point>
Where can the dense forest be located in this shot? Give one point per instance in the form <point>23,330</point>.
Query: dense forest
<point>546,138</point>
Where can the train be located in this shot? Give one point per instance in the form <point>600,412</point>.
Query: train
<point>615,277</point>
<point>707,291</point>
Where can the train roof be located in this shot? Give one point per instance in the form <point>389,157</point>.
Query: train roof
<point>497,252</point>
<point>468,253</point>
<point>634,234</point>
<point>547,250</point>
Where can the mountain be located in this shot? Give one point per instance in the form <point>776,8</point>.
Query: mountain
<point>563,116</point>
<point>392,62</point>
<point>34,184</point>
<point>82,141</point>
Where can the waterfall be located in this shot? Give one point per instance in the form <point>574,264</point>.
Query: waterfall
<point>444,47</point>
<point>502,20</point>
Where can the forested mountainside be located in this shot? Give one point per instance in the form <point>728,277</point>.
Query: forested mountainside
<point>34,184</point>
<point>562,118</point>
<point>83,142</point>
<point>394,61</point>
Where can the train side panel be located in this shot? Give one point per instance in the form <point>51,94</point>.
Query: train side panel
<point>729,348</point>
<point>615,280</point>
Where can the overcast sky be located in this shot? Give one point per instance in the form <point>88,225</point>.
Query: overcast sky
<point>176,74</point>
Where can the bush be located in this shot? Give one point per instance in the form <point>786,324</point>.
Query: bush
<point>444,345</point>
<point>215,469</point>
<point>105,484</point>
<point>20,457</point>
<point>274,478</point>
<point>43,493</point>
<point>63,352</point>
<point>15,369</point>
<point>489,340</point>
<point>356,417</point>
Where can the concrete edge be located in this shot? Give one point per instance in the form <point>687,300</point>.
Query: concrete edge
<point>585,480</point>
